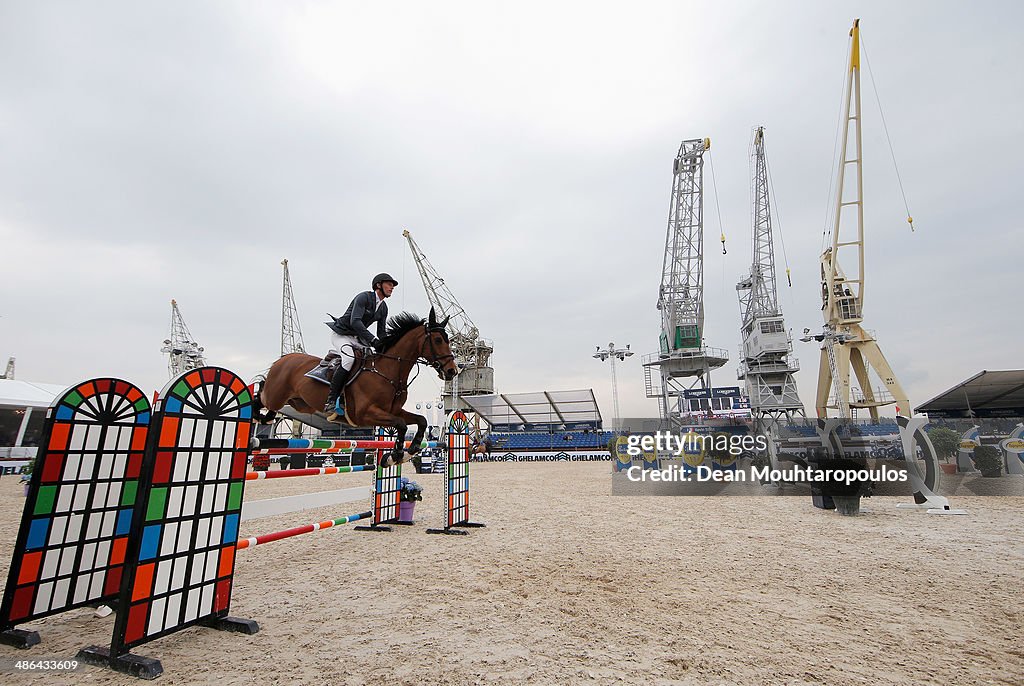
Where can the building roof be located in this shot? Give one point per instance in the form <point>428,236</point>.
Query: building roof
<point>541,407</point>
<point>986,394</point>
<point>14,393</point>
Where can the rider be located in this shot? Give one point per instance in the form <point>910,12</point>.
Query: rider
<point>350,331</point>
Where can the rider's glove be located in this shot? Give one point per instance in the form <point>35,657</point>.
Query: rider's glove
<point>377,345</point>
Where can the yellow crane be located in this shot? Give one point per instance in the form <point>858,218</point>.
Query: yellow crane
<point>846,345</point>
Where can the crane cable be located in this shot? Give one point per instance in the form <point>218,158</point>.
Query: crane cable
<point>778,218</point>
<point>718,208</point>
<point>885,128</point>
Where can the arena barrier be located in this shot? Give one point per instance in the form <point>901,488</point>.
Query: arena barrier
<point>139,507</point>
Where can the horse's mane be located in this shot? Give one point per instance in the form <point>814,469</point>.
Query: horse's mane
<point>398,326</point>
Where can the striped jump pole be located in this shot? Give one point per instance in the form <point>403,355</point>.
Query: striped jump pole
<point>244,543</point>
<point>259,445</point>
<point>311,471</point>
<point>384,490</point>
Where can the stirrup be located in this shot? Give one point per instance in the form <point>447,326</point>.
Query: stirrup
<point>337,412</point>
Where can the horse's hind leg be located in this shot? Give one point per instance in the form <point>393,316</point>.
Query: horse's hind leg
<point>260,412</point>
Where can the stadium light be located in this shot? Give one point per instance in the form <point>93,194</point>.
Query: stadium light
<point>610,354</point>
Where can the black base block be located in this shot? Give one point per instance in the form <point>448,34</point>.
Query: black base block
<point>135,665</point>
<point>233,624</point>
<point>371,527</point>
<point>19,638</point>
<point>448,532</point>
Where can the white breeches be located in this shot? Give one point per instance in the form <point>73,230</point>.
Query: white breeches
<point>345,346</point>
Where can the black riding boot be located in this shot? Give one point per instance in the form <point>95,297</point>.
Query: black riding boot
<point>337,388</point>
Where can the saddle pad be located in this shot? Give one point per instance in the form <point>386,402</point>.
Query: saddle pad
<point>319,373</point>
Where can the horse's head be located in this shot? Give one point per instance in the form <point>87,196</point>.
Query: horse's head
<point>437,350</point>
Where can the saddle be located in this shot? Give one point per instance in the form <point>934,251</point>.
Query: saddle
<point>324,371</point>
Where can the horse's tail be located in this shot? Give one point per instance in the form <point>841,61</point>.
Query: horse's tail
<point>259,411</point>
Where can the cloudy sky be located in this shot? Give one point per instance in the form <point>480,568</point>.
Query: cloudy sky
<point>151,151</point>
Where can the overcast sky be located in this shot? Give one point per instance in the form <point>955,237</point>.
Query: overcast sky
<point>151,151</point>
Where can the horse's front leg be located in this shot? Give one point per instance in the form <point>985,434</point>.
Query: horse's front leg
<point>378,417</point>
<point>421,428</point>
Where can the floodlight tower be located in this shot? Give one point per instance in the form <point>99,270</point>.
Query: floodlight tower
<point>291,330</point>
<point>683,360</point>
<point>611,353</point>
<point>845,343</point>
<point>766,368</point>
<point>182,350</point>
<point>472,353</point>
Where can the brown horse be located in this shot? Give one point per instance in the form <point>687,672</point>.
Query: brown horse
<point>376,395</point>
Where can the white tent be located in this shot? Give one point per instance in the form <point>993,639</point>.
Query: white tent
<point>15,393</point>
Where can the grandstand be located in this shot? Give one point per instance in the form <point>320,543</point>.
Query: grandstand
<point>542,421</point>
<point>562,440</point>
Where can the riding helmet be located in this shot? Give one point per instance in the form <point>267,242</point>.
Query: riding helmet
<point>382,277</point>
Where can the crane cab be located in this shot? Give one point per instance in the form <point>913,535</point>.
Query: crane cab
<point>765,336</point>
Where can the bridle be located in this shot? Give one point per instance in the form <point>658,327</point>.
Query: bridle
<point>438,362</point>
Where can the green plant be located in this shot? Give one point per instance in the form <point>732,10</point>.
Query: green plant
<point>760,460</point>
<point>26,471</point>
<point>988,460</point>
<point>410,491</point>
<point>946,442</point>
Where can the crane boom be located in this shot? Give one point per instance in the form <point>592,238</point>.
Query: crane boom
<point>681,296</point>
<point>764,299</point>
<point>472,353</point>
<point>683,359</point>
<point>767,369</point>
<point>183,353</point>
<point>291,330</point>
<point>847,346</point>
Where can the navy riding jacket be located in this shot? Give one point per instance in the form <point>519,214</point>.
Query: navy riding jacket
<point>362,312</point>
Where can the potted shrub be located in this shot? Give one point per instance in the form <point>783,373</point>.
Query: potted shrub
<point>947,444</point>
<point>760,461</point>
<point>26,475</point>
<point>988,460</point>
<point>845,495</point>
<point>408,493</point>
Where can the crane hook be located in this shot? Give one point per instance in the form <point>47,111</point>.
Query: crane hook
<point>724,252</point>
